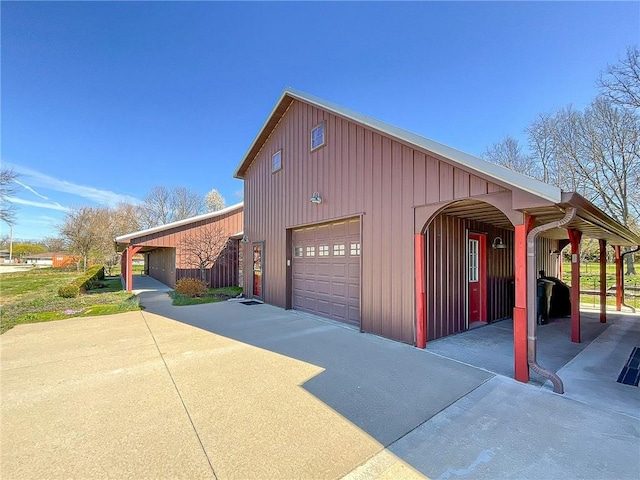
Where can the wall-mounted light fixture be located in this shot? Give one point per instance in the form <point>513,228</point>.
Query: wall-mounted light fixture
<point>245,239</point>
<point>554,252</point>
<point>498,244</point>
<point>316,198</point>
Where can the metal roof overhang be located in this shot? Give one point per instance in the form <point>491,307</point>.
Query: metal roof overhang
<point>124,240</point>
<point>590,220</point>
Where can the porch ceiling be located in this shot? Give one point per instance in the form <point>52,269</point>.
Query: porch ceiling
<point>590,220</point>
<point>479,211</point>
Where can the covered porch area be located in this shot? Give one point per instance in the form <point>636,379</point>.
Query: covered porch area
<point>529,240</point>
<point>590,369</point>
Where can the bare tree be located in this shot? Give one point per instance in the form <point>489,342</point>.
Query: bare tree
<point>204,248</point>
<point>54,244</point>
<point>620,83</point>
<point>124,218</point>
<point>162,206</point>
<point>541,143</point>
<point>83,229</point>
<point>156,209</point>
<point>8,188</point>
<point>598,151</point>
<point>509,154</point>
<point>214,201</point>
<point>185,204</point>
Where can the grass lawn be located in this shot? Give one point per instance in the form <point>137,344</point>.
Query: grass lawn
<point>590,283</point>
<point>32,296</point>
<point>214,295</point>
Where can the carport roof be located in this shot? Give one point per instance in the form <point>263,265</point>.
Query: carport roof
<point>590,220</point>
<point>124,239</point>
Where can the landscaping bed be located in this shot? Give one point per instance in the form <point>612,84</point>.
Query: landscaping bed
<point>211,296</point>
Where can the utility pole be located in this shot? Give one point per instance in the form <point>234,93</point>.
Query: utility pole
<point>10,243</point>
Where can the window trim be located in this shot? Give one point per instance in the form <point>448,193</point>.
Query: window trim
<point>274,170</point>
<point>324,136</point>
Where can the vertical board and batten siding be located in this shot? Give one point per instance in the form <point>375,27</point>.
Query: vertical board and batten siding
<point>168,265</point>
<point>446,273</point>
<point>358,173</point>
<point>162,265</point>
<point>545,260</point>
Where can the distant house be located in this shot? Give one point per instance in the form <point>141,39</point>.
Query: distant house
<point>164,255</point>
<point>55,260</point>
<point>362,222</point>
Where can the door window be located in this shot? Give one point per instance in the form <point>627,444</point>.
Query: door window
<point>473,260</point>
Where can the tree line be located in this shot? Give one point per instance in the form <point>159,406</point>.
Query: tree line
<point>89,231</point>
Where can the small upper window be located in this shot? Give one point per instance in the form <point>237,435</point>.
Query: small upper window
<point>276,161</point>
<point>323,251</point>
<point>317,137</point>
<point>338,249</point>
<point>311,251</point>
<point>354,249</point>
<point>297,251</point>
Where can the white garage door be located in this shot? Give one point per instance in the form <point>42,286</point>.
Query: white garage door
<point>326,270</point>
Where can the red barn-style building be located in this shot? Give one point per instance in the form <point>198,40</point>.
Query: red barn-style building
<point>362,222</point>
<point>166,262</point>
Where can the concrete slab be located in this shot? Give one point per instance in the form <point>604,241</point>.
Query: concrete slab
<point>591,376</point>
<point>141,396</point>
<point>234,391</point>
<point>490,347</point>
<point>99,408</point>
<point>360,377</point>
<point>505,429</point>
<point>254,419</point>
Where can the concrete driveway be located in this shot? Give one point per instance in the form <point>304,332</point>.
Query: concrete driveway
<point>237,391</point>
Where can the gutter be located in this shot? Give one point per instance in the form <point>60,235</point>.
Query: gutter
<point>532,324</point>
<point>622,266</point>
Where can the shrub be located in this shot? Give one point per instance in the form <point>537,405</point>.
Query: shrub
<point>191,287</point>
<point>69,291</point>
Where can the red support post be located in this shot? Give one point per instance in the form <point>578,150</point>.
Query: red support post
<point>123,267</point>
<point>574,237</point>
<point>521,364</point>
<point>131,251</point>
<point>619,286</point>
<point>421,299</point>
<point>129,268</point>
<point>603,280</point>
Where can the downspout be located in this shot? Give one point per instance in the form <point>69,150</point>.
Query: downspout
<point>532,324</point>
<point>622,286</point>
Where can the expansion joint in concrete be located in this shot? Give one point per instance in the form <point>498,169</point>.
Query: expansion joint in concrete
<point>195,430</point>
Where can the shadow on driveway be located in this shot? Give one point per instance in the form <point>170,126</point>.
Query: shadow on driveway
<point>384,387</point>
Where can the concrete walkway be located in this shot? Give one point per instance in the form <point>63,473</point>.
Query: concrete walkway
<point>236,391</point>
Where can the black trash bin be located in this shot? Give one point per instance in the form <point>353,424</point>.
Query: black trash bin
<point>545,290</point>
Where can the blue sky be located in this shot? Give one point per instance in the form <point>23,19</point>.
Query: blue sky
<point>103,101</point>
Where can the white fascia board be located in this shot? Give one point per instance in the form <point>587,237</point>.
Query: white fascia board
<point>523,182</point>
<point>179,223</point>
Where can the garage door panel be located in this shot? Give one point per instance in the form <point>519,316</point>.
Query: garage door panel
<point>324,307</point>
<point>323,287</point>
<point>339,311</point>
<point>328,282</point>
